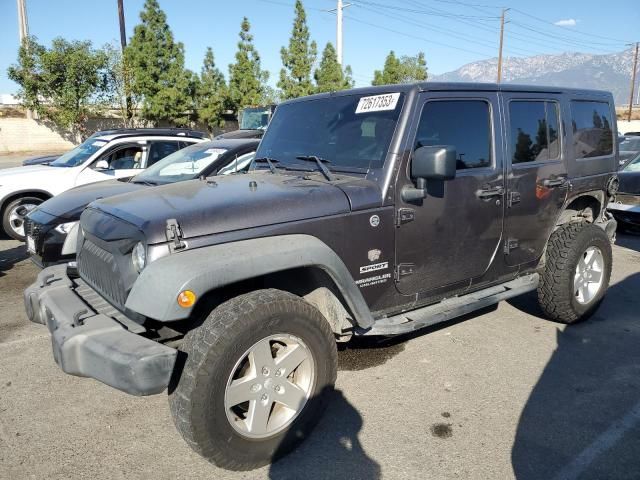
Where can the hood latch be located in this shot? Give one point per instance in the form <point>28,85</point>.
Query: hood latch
<point>174,234</point>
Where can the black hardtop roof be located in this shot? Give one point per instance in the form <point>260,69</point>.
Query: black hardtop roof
<point>456,86</point>
<point>130,132</point>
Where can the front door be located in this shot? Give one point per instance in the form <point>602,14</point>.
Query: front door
<point>454,234</point>
<point>537,172</point>
<point>124,160</point>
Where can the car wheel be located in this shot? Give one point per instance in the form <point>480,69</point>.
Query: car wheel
<point>15,213</point>
<point>258,375</point>
<point>576,273</point>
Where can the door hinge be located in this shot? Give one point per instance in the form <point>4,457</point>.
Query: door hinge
<point>510,244</point>
<point>403,269</point>
<point>513,198</point>
<point>174,233</point>
<point>405,215</point>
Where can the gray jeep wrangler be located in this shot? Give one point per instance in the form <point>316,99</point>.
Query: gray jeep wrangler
<point>375,211</point>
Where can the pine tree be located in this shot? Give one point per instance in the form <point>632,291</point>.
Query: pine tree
<point>401,70</point>
<point>211,93</point>
<point>158,72</point>
<point>298,59</point>
<point>329,76</point>
<point>246,79</point>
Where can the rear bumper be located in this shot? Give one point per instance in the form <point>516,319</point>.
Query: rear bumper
<point>89,344</point>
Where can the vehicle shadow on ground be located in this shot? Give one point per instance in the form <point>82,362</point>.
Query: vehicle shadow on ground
<point>628,240</point>
<point>582,418</point>
<point>333,450</point>
<point>11,256</point>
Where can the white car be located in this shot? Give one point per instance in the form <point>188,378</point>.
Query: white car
<point>103,156</point>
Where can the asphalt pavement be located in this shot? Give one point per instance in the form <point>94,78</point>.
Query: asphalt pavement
<point>496,395</point>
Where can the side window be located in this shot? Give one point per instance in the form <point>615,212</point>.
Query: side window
<point>463,124</point>
<point>122,158</point>
<point>534,131</point>
<point>161,149</point>
<point>592,134</point>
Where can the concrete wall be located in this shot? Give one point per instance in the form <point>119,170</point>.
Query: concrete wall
<point>24,135</point>
<point>632,126</point>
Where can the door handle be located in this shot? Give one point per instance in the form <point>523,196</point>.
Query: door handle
<point>487,193</point>
<point>555,182</point>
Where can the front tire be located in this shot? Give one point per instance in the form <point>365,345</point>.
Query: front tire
<point>14,214</point>
<point>576,273</point>
<point>257,377</point>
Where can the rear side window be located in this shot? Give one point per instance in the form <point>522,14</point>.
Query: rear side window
<point>463,124</point>
<point>592,133</point>
<point>160,149</point>
<point>534,131</point>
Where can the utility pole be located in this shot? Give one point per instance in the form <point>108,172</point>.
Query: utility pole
<point>23,33</point>
<point>123,34</point>
<point>633,81</point>
<point>23,25</point>
<point>339,7</point>
<point>504,10</point>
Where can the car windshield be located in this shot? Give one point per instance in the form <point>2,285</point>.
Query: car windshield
<point>351,132</point>
<point>80,154</point>
<point>630,144</point>
<point>184,164</point>
<point>255,118</point>
<point>633,165</point>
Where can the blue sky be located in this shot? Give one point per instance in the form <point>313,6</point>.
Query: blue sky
<point>450,32</point>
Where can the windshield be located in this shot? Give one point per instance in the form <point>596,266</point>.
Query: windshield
<point>255,118</point>
<point>630,145</point>
<point>184,164</point>
<point>80,154</point>
<point>349,131</point>
<point>633,165</point>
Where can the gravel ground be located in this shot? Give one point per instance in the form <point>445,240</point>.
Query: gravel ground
<point>499,394</point>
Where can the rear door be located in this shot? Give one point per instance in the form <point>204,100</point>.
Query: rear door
<point>453,235</point>
<point>536,171</point>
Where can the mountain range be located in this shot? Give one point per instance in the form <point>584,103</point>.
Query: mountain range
<point>571,69</point>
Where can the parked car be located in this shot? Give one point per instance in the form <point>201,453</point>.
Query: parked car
<point>104,155</point>
<point>375,211</point>
<point>52,226</point>
<point>253,123</point>
<point>625,207</point>
<point>629,148</point>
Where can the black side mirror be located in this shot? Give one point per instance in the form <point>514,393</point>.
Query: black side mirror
<point>430,163</point>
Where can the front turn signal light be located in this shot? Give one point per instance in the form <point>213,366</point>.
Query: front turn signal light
<point>186,299</point>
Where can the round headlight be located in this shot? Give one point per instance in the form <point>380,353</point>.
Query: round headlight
<point>139,256</point>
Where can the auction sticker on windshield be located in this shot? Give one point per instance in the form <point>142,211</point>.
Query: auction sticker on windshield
<point>378,103</point>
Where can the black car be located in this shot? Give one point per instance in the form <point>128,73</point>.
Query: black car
<point>375,211</point>
<point>50,227</point>
<point>626,206</point>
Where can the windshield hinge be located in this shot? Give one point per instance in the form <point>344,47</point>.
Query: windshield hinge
<point>174,234</point>
<point>405,215</point>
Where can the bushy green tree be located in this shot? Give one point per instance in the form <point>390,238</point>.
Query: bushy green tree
<point>246,78</point>
<point>298,59</point>
<point>401,70</point>
<point>329,76</point>
<point>65,83</point>
<point>211,96</point>
<point>158,74</point>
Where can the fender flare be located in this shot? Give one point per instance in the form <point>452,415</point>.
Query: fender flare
<point>155,292</point>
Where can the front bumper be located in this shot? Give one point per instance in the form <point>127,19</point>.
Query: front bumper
<point>90,344</point>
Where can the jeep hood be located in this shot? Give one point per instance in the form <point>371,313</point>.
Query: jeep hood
<point>234,202</point>
<point>69,205</point>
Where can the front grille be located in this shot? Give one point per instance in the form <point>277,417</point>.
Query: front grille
<point>100,270</point>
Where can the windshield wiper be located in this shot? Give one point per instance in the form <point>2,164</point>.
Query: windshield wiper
<point>144,182</point>
<point>269,161</point>
<point>320,162</point>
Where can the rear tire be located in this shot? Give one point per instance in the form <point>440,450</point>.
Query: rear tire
<point>14,213</point>
<point>228,348</point>
<point>576,273</point>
